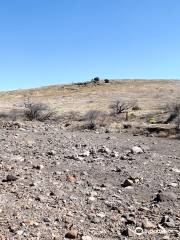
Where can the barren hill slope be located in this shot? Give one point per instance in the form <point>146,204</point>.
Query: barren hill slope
<point>150,94</point>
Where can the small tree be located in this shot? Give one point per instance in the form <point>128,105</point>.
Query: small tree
<point>95,80</point>
<point>106,80</point>
<point>119,107</point>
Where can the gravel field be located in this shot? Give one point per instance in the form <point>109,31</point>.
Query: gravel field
<point>57,184</point>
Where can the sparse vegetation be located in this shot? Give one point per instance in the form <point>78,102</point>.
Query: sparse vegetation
<point>72,101</point>
<point>119,107</point>
<point>178,124</point>
<point>136,107</point>
<point>96,79</point>
<point>13,115</point>
<point>92,118</point>
<point>174,110</point>
<point>106,80</point>
<point>72,116</point>
<point>38,111</point>
<point>152,120</point>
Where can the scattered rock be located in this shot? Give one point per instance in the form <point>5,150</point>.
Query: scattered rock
<point>124,157</point>
<point>51,153</point>
<point>127,183</point>
<point>95,220</point>
<point>104,149</point>
<point>72,234</point>
<point>86,238</point>
<point>19,232</point>
<point>147,224</point>
<point>71,178</point>
<point>93,194</point>
<point>165,197</point>
<point>167,221</point>
<point>176,170</point>
<point>10,178</point>
<point>114,154</point>
<point>85,154</point>
<point>136,150</point>
<point>173,184</point>
<point>45,204</point>
<point>165,237</point>
<point>92,199</point>
<point>38,167</point>
<point>101,215</point>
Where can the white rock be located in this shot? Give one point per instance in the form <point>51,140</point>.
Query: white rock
<point>136,150</point>
<point>101,215</point>
<point>85,154</point>
<point>86,238</point>
<point>79,158</point>
<point>91,199</point>
<point>131,233</point>
<point>104,149</point>
<point>19,232</point>
<point>127,183</point>
<point>173,184</point>
<point>93,194</point>
<point>175,170</point>
<point>114,154</point>
<point>147,224</point>
<point>129,188</point>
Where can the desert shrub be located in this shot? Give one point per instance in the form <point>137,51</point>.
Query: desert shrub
<point>81,83</point>
<point>16,114</point>
<point>174,110</point>
<point>136,107</point>
<point>38,111</point>
<point>178,124</point>
<point>96,79</point>
<point>106,80</point>
<point>3,115</point>
<point>152,120</point>
<point>119,106</point>
<point>13,115</point>
<point>131,116</point>
<point>73,116</point>
<point>94,118</point>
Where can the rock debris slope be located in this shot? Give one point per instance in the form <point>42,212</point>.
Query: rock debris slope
<point>56,184</point>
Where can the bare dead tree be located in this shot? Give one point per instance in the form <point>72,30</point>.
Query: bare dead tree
<point>120,106</point>
<point>38,111</point>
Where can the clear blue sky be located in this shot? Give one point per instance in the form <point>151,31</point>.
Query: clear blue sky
<point>60,41</point>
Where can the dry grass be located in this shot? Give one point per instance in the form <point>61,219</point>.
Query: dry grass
<point>150,94</point>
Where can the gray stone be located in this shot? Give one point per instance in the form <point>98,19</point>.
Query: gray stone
<point>168,222</point>
<point>166,196</point>
<point>147,224</point>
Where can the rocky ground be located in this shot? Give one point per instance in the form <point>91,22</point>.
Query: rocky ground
<point>57,184</point>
